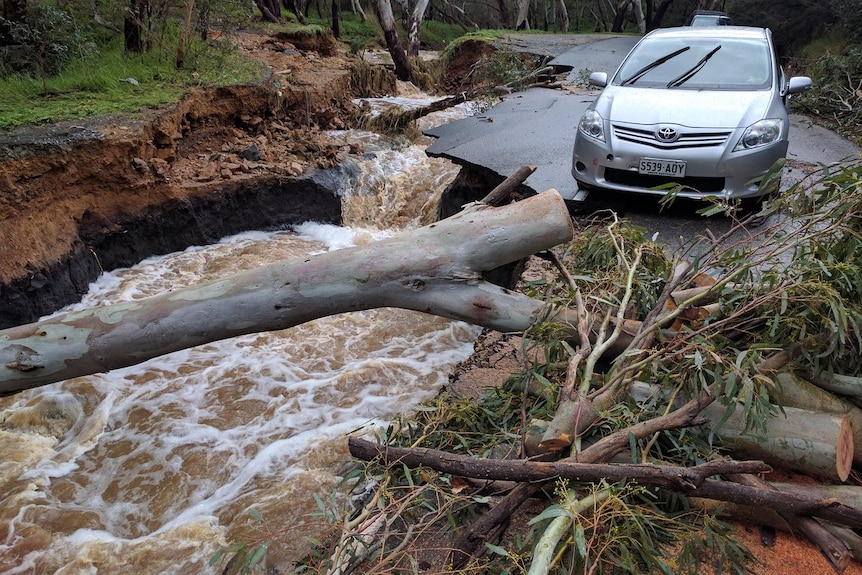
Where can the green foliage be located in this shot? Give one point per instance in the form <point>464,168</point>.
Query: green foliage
<point>836,99</point>
<point>243,557</point>
<point>46,42</point>
<point>437,35</point>
<point>451,48</point>
<point>849,18</point>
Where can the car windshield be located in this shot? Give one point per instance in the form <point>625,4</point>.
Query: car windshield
<point>701,63</point>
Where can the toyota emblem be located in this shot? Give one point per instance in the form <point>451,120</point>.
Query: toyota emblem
<point>666,134</point>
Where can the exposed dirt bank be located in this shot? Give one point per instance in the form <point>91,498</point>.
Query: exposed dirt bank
<point>79,197</point>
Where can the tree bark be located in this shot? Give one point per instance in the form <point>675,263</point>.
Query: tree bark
<point>266,11</point>
<point>564,17</point>
<point>666,476</point>
<point>816,444</point>
<point>356,6</point>
<point>503,9</point>
<point>620,14</point>
<point>413,25</point>
<point>383,11</point>
<point>185,34</point>
<point>336,18</point>
<point>690,481</point>
<point>523,21</point>
<point>637,8</point>
<point>793,391</point>
<point>436,269</point>
<point>133,26</point>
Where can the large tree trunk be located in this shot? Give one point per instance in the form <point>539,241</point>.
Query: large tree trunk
<point>336,18</point>
<point>269,9</point>
<point>356,6</point>
<point>620,14</point>
<point>816,444</point>
<point>383,11</point>
<point>436,269</point>
<point>523,21</point>
<point>639,16</point>
<point>564,17</point>
<point>504,13</point>
<point>413,24</point>
<point>793,391</point>
<point>185,34</point>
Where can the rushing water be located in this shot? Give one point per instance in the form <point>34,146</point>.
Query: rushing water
<point>150,469</point>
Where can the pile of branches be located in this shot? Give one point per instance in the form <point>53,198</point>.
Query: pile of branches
<point>662,378</point>
<point>836,96</point>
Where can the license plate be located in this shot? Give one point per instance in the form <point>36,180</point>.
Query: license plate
<point>653,167</point>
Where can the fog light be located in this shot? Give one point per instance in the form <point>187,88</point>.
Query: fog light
<point>579,166</point>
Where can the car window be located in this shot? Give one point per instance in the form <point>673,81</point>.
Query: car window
<point>711,21</point>
<point>739,64</point>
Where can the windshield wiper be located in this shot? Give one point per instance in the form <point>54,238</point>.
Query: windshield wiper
<point>687,75</point>
<point>654,64</point>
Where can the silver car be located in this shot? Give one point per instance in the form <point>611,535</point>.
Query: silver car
<point>699,107</point>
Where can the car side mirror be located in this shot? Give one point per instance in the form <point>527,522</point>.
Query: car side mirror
<point>798,84</point>
<point>599,79</point>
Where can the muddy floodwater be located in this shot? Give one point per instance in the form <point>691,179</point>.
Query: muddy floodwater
<point>150,469</point>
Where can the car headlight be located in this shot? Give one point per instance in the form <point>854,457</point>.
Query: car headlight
<point>759,134</point>
<point>592,125</point>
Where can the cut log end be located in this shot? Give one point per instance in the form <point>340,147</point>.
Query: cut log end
<point>555,443</point>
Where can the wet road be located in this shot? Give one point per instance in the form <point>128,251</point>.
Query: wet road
<point>537,127</point>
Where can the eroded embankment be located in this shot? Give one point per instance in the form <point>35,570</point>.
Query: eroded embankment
<point>80,197</point>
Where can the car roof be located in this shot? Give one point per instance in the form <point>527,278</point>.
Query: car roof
<point>710,32</point>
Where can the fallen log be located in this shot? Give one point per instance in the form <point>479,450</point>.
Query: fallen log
<point>808,442</point>
<point>794,391</point>
<point>848,385</point>
<point>437,269</point>
<point>815,443</point>
<point>689,481</point>
<point>666,476</point>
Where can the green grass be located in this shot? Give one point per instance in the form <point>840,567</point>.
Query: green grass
<point>96,86</point>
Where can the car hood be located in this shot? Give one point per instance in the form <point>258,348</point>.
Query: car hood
<point>693,108</point>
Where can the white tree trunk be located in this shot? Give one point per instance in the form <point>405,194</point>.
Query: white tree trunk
<point>639,16</point>
<point>436,269</point>
<point>523,22</point>
<point>564,17</point>
<point>413,28</point>
<point>356,6</point>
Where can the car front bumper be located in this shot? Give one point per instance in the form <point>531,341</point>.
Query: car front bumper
<point>711,171</point>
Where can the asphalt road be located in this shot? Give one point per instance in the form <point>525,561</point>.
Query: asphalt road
<point>537,127</point>
<point>534,127</point>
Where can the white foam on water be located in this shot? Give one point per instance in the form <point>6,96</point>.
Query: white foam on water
<point>205,432</point>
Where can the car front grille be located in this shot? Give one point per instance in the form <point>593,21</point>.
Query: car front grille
<point>627,178</point>
<point>685,140</point>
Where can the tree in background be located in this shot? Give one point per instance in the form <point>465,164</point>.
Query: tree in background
<point>383,11</point>
<point>414,21</point>
<point>848,14</point>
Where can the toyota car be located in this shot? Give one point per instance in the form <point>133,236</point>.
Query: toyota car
<point>702,107</point>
